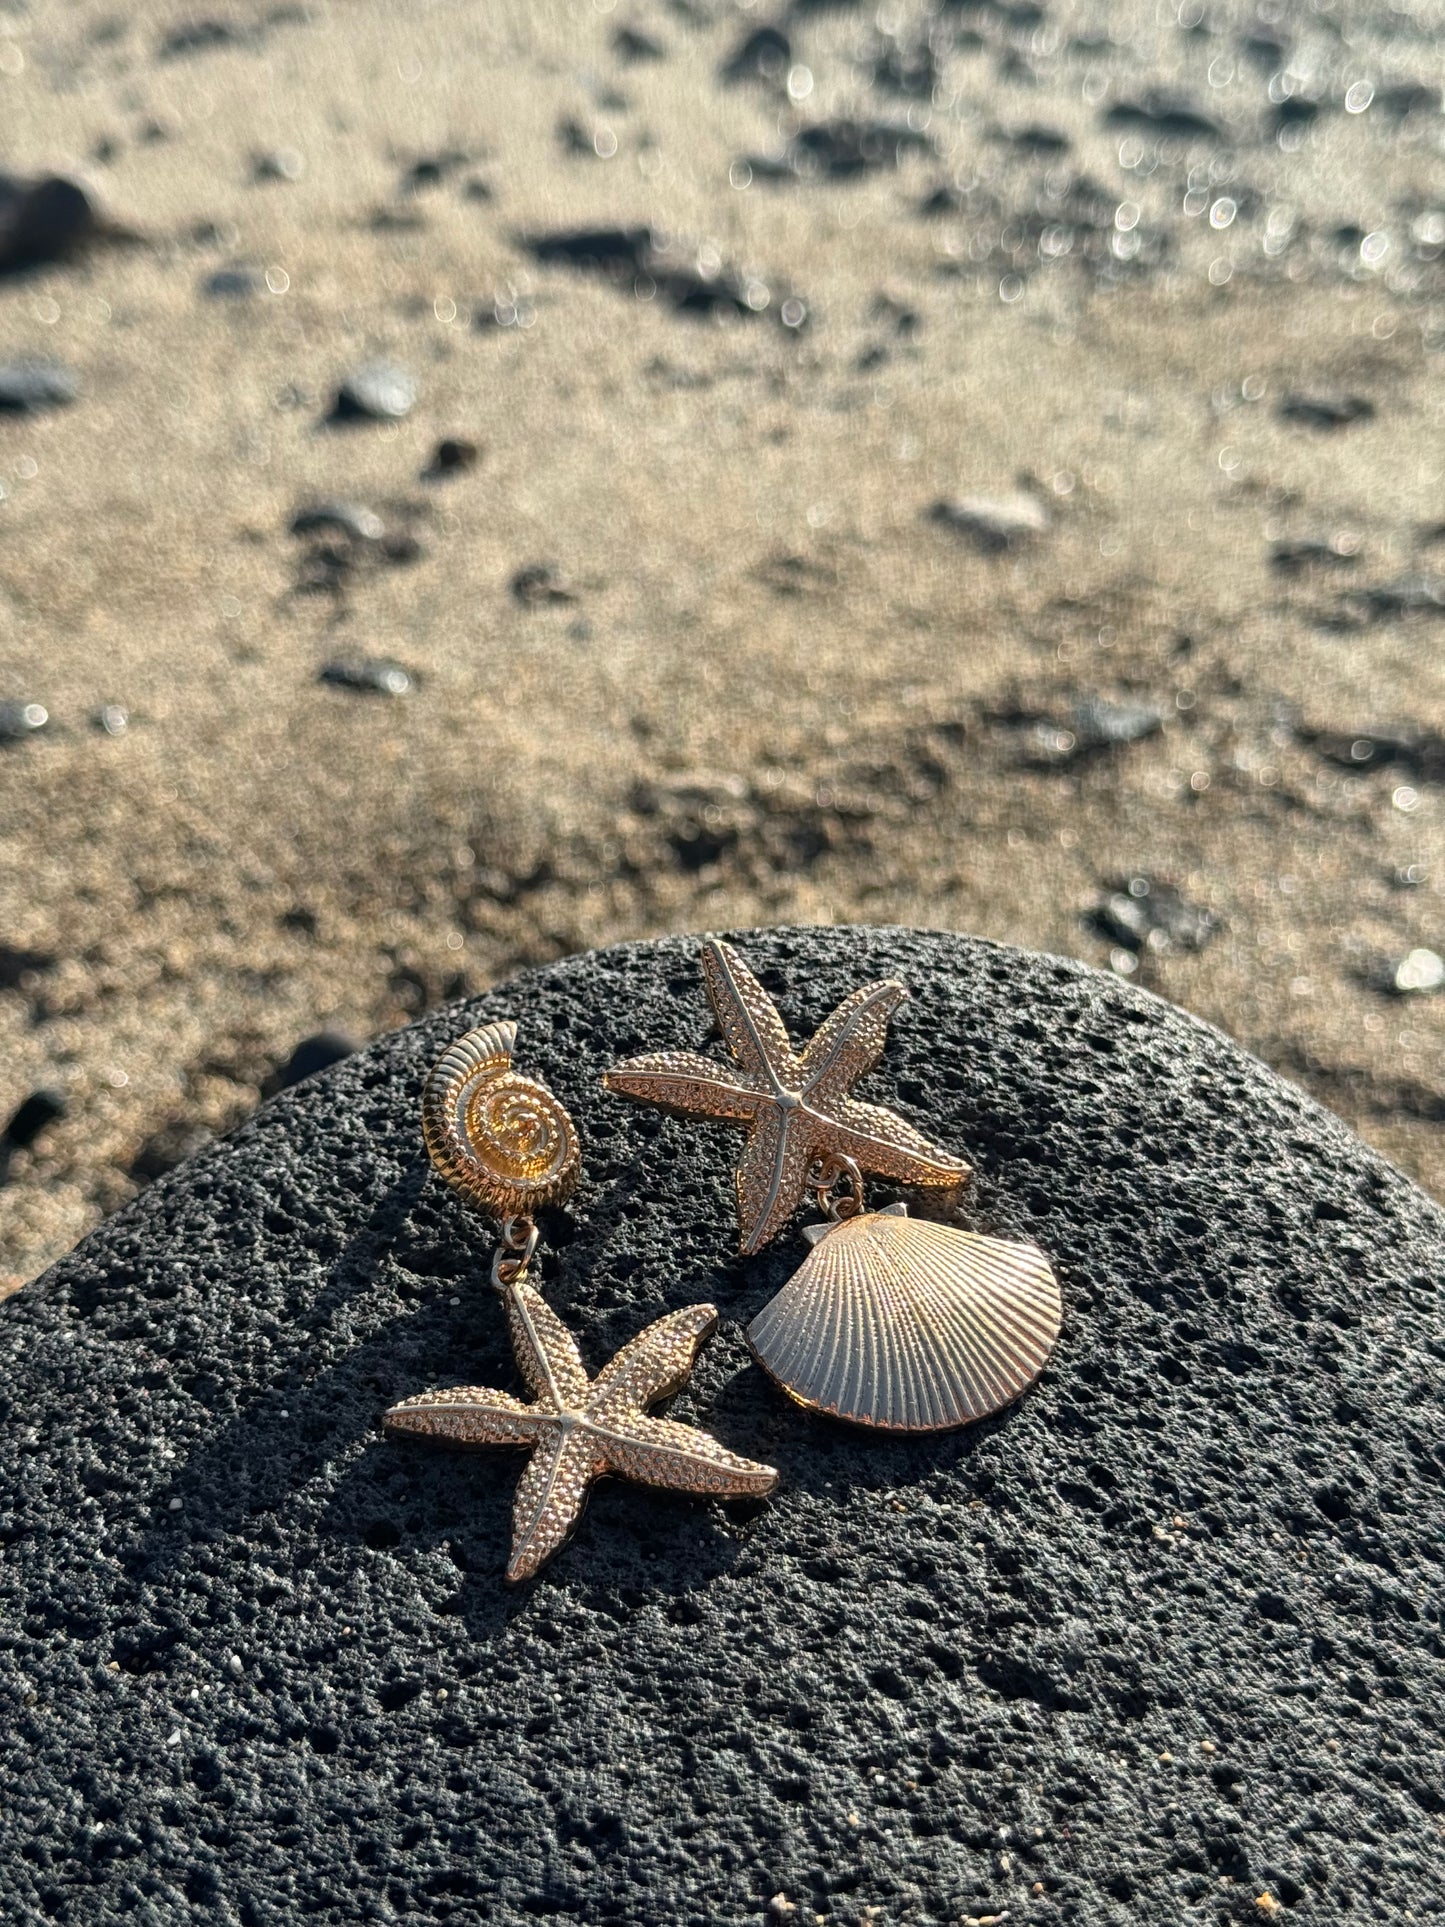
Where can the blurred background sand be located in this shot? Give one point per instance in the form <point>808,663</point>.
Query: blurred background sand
<point>1151,300</point>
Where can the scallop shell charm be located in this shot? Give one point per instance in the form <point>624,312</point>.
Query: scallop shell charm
<point>909,1326</point>
<point>500,1140</point>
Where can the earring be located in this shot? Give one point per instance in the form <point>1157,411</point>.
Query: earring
<point>891,1322</point>
<point>508,1147</point>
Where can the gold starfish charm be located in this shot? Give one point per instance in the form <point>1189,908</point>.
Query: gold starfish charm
<point>578,1428</point>
<point>796,1108</point>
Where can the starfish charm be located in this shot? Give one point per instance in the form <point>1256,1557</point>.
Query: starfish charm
<point>578,1428</point>
<point>796,1108</point>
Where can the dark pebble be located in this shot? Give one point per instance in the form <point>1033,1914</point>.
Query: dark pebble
<point>638,261</point>
<point>1325,411</point>
<point>904,67</point>
<point>279,164</point>
<point>379,391</point>
<point>631,45</point>
<point>313,1054</point>
<point>841,150</point>
<point>1164,116</point>
<point>764,54</point>
<point>540,583</point>
<point>1334,551</point>
<point>33,1115</point>
<point>27,387</point>
<point>1417,752</point>
<point>1297,110</point>
<point>453,456</point>
<point>199,37</point>
<point>21,720</point>
<point>168,1147</point>
<point>1144,913</point>
<point>42,221</point>
<point>233,284</point>
<point>1417,594</point>
<point>16,964</point>
<point>1035,139</point>
<point>356,523</point>
<point>1405,99</point>
<point>371,675</point>
<point>432,170</point>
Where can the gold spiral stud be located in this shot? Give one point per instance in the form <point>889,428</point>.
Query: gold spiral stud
<point>500,1140</point>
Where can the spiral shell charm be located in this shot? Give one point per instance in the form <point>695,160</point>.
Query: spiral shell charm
<point>500,1140</point>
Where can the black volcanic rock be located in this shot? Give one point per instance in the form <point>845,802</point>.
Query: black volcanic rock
<point>1161,1640</point>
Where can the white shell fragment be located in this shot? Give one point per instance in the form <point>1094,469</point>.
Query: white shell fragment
<point>909,1326</point>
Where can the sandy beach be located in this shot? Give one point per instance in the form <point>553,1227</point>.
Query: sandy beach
<point>977,468</point>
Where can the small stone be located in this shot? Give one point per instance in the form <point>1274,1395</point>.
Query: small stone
<point>378,391</point>
<point>316,1053</point>
<point>1325,411</point>
<point>765,54</point>
<point>44,220</point>
<point>452,456</point>
<point>21,720</point>
<point>631,45</point>
<point>541,583</point>
<point>1164,115</point>
<point>1332,551</point>
<point>199,36</point>
<point>33,1115</point>
<point>842,150</point>
<point>1416,594</point>
<point>371,675</point>
<point>279,164</point>
<point>27,387</point>
<point>176,1141</point>
<point>111,719</point>
<point>16,964</point>
<point>1418,973</point>
<point>238,283</point>
<point>781,1908</point>
<point>356,523</point>
<point>1146,914</point>
<point>993,523</point>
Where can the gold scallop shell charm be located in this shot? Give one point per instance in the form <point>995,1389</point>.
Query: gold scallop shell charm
<point>908,1326</point>
<point>500,1140</point>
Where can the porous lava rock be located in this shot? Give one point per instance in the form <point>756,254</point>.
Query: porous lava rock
<point>1162,1641</point>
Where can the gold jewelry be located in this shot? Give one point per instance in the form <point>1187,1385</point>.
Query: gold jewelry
<point>891,1322</point>
<point>796,1108</point>
<point>507,1146</point>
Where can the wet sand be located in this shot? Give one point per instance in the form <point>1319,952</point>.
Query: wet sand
<point>1192,635</point>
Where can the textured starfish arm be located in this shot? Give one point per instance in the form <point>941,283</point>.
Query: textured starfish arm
<point>685,1082</point>
<point>654,1364</point>
<point>880,1141</point>
<point>851,1041</point>
<point>771,1178</point>
<point>467,1415</point>
<point>547,1353</point>
<point>660,1451</point>
<point>747,1016</point>
<point>549,1500</point>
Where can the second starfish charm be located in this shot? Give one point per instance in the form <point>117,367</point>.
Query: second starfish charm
<point>579,1428</point>
<point>797,1108</point>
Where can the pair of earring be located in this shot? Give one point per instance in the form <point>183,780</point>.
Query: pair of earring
<point>899,1324</point>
